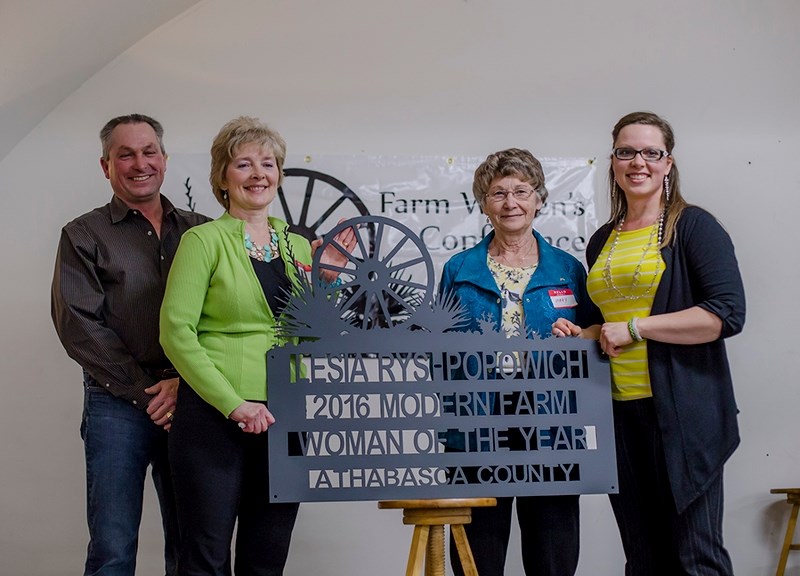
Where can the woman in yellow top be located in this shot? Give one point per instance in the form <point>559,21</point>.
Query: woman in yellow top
<point>225,290</point>
<point>664,276</point>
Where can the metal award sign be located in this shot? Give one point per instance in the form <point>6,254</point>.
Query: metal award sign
<point>384,397</point>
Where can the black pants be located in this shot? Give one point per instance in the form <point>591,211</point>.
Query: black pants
<point>657,540</point>
<point>550,529</point>
<point>221,475</point>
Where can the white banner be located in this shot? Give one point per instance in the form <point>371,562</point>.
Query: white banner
<point>431,195</point>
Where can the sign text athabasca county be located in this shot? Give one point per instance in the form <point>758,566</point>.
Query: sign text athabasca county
<point>457,416</point>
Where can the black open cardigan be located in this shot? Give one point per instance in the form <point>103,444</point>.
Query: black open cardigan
<point>692,386</point>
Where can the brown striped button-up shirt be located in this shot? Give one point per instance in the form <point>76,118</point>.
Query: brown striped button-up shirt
<point>110,274</point>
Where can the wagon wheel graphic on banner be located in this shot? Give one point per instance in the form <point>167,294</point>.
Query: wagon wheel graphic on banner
<point>384,280</point>
<point>325,201</point>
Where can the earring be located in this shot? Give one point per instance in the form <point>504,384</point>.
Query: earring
<point>614,191</point>
<point>666,187</point>
<point>224,195</point>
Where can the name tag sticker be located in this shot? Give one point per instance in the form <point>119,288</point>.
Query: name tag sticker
<point>562,298</point>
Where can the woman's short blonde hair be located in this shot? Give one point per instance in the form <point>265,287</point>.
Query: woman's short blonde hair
<point>512,162</point>
<point>235,134</point>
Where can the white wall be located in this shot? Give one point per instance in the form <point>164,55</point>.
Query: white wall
<point>444,77</point>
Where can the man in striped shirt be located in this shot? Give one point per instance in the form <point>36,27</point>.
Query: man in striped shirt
<point>110,273</point>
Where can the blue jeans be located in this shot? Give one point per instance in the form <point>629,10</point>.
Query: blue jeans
<point>120,442</point>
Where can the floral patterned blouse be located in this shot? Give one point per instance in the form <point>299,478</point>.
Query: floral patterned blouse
<point>512,283</point>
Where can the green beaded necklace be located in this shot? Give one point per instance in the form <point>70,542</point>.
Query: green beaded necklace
<point>265,253</point>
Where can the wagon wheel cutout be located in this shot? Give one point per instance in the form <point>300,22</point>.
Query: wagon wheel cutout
<point>299,220</point>
<point>383,281</point>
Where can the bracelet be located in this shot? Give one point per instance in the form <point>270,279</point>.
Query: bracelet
<point>633,329</point>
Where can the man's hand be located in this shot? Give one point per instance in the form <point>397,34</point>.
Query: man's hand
<point>336,254</point>
<point>162,404</point>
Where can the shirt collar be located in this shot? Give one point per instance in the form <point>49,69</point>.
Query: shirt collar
<point>119,210</point>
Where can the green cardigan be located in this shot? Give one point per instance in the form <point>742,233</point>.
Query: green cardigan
<point>216,326</point>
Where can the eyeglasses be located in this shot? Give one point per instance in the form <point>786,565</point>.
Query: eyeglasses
<point>498,196</point>
<point>648,154</point>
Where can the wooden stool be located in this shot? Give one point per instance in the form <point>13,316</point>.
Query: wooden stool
<point>793,498</point>
<point>429,518</point>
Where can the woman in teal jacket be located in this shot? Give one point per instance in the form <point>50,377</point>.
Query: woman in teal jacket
<point>226,288</point>
<point>468,275</point>
<point>515,281</point>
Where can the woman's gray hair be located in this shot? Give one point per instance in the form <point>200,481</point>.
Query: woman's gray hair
<point>511,162</point>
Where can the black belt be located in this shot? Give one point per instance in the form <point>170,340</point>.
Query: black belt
<point>161,373</point>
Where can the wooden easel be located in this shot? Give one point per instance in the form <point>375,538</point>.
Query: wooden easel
<point>429,518</point>
<point>793,498</point>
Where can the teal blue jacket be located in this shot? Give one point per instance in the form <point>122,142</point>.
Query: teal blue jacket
<point>468,277</point>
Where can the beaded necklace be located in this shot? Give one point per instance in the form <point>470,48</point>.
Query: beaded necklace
<point>265,253</point>
<point>658,228</point>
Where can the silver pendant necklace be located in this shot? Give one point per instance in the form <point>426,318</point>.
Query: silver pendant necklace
<point>608,276</point>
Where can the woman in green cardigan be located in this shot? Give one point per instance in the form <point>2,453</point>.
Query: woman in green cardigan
<point>224,292</point>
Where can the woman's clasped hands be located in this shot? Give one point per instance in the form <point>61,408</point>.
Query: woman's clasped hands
<point>612,336</point>
<point>253,417</point>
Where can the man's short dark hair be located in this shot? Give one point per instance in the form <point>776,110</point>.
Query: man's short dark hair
<point>105,133</point>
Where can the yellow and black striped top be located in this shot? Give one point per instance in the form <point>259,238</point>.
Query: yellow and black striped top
<point>624,298</point>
